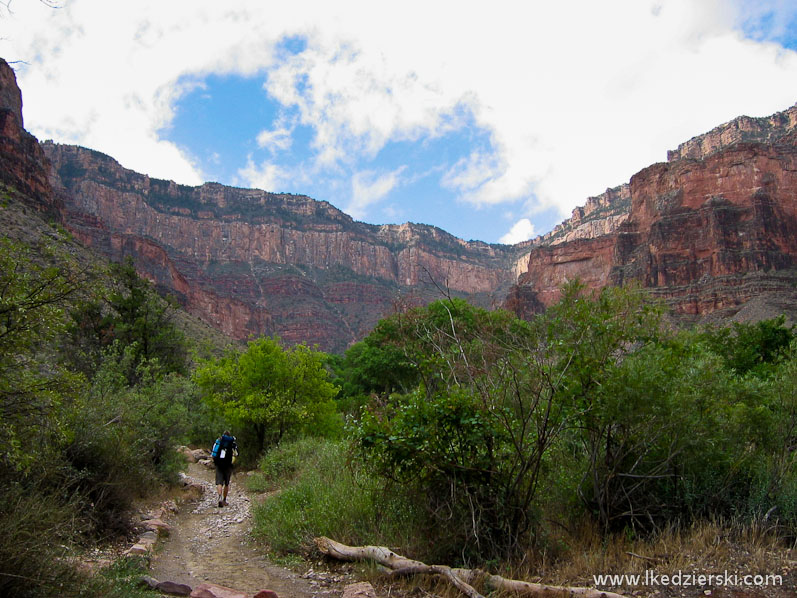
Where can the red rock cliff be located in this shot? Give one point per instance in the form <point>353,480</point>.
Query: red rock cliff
<point>23,166</point>
<point>713,231</point>
<point>252,262</point>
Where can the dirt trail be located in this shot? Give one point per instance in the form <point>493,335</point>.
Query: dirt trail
<point>210,544</point>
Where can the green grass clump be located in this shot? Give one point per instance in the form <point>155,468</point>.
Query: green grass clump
<point>322,494</point>
<point>122,579</point>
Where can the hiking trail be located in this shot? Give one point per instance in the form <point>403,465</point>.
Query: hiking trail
<point>211,544</point>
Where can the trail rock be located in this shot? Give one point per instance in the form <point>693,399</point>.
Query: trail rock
<point>174,588</point>
<point>359,590</point>
<point>158,526</point>
<point>266,594</point>
<point>149,582</point>
<point>187,453</point>
<point>211,590</point>
<point>199,454</point>
<point>137,549</point>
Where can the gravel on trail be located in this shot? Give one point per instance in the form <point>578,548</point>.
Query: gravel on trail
<point>211,544</point>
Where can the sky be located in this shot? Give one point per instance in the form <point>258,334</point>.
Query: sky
<point>490,120</point>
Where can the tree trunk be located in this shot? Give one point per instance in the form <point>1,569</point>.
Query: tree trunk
<point>461,578</point>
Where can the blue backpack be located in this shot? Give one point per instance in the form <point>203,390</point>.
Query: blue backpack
<point>224,448</point>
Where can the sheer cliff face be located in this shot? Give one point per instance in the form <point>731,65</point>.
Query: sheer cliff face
<point>709,231</point>
<point>22,162</point>
<point>253,262</point>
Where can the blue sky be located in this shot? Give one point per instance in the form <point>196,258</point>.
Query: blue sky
<point>491,124</point>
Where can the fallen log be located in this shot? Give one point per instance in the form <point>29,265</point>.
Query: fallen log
<point>462,579</point>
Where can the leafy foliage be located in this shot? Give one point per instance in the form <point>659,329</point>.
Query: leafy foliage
<point>274,390</point>
<point>133,315</point>
<point>82,439</point>
<point>32,302</point>
<point>594,402</point>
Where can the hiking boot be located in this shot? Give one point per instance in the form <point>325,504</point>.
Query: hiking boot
<point>224,503</point>
<point>221,504</point>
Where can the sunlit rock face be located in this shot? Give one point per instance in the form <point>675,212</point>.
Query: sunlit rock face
<point>712,231</point>
<point>23,166</point>
<point>252,262</point>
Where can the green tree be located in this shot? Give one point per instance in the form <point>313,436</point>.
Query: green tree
<point>133,314</point>
<point>274,390</point>
<point>495,395</point>
<point>33,299</point>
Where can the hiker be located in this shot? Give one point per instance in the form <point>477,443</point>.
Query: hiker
<point>224,452</point>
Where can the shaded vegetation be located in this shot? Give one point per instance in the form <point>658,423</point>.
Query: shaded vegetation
<point>93,402</point>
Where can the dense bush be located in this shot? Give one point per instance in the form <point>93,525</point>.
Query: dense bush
<point>593,402</point>
<point>79,442</point>
<point>276,392</point>
<point>322,493</point>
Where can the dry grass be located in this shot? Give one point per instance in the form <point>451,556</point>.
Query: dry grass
<point>574,557</point>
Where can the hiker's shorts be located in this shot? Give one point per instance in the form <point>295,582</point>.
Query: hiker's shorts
<point>223,474</point>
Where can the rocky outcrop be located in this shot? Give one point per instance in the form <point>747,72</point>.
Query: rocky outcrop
<point>601,215</point>
<point>23,167</point>
<point>768,130</point>
<point>709,231</point>
<point>252,262</point>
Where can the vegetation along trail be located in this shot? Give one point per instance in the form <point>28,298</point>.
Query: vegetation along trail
<point>211,544</point>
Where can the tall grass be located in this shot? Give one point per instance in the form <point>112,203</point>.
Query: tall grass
<point>316,491</point>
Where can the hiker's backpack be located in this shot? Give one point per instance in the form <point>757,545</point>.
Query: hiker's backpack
<point>224,448</point>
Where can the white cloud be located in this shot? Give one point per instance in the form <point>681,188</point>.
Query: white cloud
<point>575,96</point>
<point>266,176</point>
<point>368,188</point>
<point>275,140</point>
<point>522,230</point>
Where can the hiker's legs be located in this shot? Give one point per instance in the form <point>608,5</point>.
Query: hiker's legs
<point>226,489</point>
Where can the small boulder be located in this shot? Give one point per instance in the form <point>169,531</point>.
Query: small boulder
<point>206,462</point>
<point>266,594</point>
<point>211,590</point>
<point>359,590</point>
<point>158,526</point>
<point>174,588</point>
<point>138,549</point>
<point>148,582</point>
<point>187,453</point>
<point>198,454</point>
<point>193,491</point>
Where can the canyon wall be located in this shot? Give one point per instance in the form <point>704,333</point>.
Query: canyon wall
<point>713,231</point>
<point>252,262</point>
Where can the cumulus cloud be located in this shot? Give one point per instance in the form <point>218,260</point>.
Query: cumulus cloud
<point>522,230</point>
<point>275,140</point>
<point>266,176</point>
<point>368,188</point>
<point>575,96</point>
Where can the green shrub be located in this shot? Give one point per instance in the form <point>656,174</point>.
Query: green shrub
<point>322,494</point>
<point>36,528</point>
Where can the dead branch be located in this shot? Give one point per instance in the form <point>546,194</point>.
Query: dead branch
<point>461,578</point>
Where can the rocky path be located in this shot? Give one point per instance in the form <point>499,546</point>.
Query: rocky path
<point>210,544</point>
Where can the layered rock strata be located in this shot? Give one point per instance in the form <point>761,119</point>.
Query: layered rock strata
<point>253,262</point>
<point>23,167</point>
<point>709,231</point>
<point>713,232</point>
